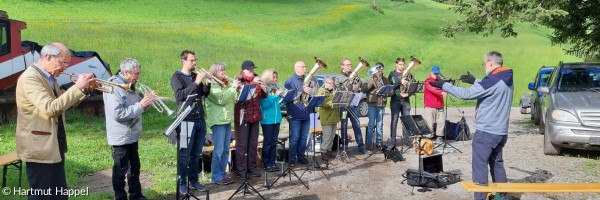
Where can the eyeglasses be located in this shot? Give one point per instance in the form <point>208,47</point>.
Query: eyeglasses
<point>63,63</point>
<point>193,60</point>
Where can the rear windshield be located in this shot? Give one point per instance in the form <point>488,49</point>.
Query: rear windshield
<point>579,78</point>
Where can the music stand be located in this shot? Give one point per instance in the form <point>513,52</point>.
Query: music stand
<point>289,171</point>
<point>445,144</point>
<point>181,114</point>
<point>246,94</point>
<point>315,102</point>
<point>416,126</point>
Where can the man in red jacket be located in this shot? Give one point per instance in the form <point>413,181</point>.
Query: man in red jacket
<point>434,105</point>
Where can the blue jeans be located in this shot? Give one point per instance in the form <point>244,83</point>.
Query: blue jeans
<point>298,135</point>
<point>270,132</point>
<point>375,116</point>
<point>194,150</point>
<point>221,135</point>
<point>487,150</point>
<point>355,126</point>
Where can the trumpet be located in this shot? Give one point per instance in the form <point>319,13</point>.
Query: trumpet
<point>211,79</point>
<point>105,86</point>
<point>157,103</point>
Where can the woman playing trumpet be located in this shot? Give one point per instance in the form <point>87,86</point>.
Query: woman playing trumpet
<point>220,103</point>
<point>271,114</point>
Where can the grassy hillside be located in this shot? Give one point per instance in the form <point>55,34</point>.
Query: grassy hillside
<point>276,34</point>
<point>272,33</point>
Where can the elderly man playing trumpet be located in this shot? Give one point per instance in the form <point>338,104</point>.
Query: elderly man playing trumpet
<point>40,136</point>
<point>123,110</point>
<point>193,128</point>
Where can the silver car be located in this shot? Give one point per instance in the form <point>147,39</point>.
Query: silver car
<point>570,110</point>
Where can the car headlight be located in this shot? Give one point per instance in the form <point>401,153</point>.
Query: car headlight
<point>561,115</point>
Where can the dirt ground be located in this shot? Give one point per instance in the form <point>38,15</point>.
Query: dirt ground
<point>375,178</point>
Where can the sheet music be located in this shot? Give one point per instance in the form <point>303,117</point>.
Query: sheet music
<point>356,100</point>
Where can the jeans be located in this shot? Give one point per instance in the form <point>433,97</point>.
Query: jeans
<point>270,133</point>
<point>221,135</point>
<point>487,150</point>
<point>194,150</point>
<point>298,135</point>
<point>375,116</point>
<point>126,162</point>
<point>355,127</point>
<point>399,107</point>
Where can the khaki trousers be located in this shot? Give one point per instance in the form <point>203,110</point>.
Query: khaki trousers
<point>435,115</point>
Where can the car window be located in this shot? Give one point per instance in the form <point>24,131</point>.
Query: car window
<point>579,78</point>
<point>544,79</point>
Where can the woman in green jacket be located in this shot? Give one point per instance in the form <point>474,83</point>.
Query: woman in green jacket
<point>219,109</point>
<point>328,117</point>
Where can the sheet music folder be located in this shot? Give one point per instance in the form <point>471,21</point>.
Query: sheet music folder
<point>415,125</point>
<point>316,101</point>
<point>289,96</point>
<point>181,114</point>
<point>386,90</point>
<point>247,92</point>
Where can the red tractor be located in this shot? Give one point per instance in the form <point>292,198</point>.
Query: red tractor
<point>16,55</point>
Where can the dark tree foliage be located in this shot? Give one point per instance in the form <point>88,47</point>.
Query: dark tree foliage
<point>575,22</point>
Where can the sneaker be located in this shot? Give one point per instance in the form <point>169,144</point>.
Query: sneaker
<point>184,190</point>
<point>269,169</point>
<point>255,173</point>
<point>224,181</point>
<point>367,152</point>
<point>292,165</point>
<point>198,186</point>
<point>229,179</point>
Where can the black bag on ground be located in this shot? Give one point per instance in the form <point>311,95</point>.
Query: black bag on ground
<point>450,130</point>
<point>392,153</point>
<point>422,179</point>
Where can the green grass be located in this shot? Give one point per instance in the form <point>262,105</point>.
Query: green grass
<point>272,33</point>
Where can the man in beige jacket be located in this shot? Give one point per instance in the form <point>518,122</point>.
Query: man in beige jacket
<point>40,136</point>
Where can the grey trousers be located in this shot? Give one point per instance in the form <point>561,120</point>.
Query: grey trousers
<point>487,150</point>
<point>327,138</point>
<point>435,116</point>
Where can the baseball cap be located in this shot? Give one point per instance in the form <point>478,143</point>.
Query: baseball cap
<point>435,69</point>
<point>248,65</point>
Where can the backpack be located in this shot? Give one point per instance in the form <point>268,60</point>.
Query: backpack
<point>426,146</point>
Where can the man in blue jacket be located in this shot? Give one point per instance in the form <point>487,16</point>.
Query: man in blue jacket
<point>494,94</point>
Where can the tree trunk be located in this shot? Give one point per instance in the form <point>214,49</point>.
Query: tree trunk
<point>374,5</point>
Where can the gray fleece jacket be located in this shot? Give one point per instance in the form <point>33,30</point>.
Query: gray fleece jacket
<point>123,113</point>
<point>494,94</point>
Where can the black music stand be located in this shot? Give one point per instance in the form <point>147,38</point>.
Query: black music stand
<point>344,101</point>
<point>383,91</point>
<point>246,94</point>
<point>315,102</point>
<point>288,171</point>
<point>445,144</point>
<point>416,126</point>
<point>181,114</point>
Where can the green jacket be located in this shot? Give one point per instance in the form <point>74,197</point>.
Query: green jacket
<point>219,105</point>
<point>370,88</point>
<point>328,115</point>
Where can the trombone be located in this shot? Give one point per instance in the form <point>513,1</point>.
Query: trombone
<point>157,103</point>
<point>105,86</point>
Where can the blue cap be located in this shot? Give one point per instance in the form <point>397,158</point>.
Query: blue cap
<point>435,69</point>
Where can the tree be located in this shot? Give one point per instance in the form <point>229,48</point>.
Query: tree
<point>575,22</point>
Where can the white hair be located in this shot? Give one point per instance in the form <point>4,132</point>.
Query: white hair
<point>129,64</point>
<point>51,50</point>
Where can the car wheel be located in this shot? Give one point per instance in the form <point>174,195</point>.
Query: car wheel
<point>363,108</point>
<point>549,148</point>
<point>536,117</point>
<point>542,126</point>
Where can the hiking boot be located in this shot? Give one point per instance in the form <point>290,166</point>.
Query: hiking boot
<point>370,147</point>
<point>304,161</point>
